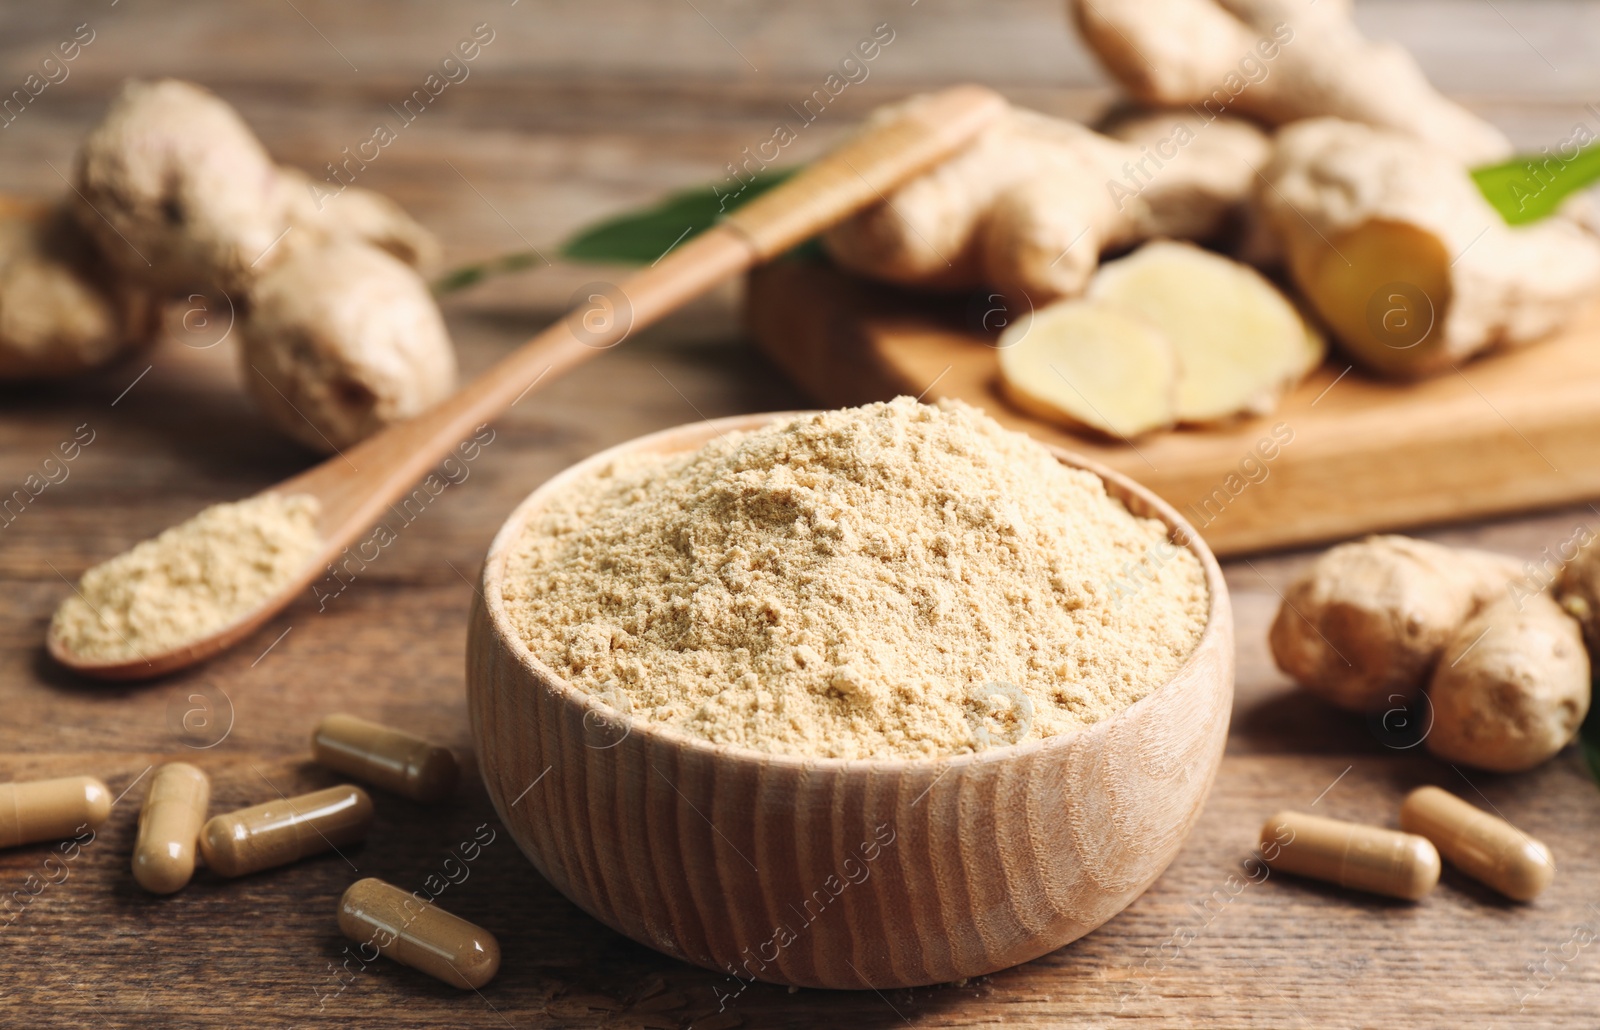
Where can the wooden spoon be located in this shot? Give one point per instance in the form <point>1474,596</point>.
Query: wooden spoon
<point>355,488</point>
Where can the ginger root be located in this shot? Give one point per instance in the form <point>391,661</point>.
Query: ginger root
<point>61,310</point>
<point>182,196</point>
<point>339,339</point>
<point>343,339</point>
<point>1371,622</point>
<point>1031,206</point>
<point>358,214</point>
<point>1512,686</point>
<point>1279,61</point>
<point>1578,591</point>
<point>178,191</point>
<point>1365,625</point>
<point>1221,174</point>
<point>1393,245</point>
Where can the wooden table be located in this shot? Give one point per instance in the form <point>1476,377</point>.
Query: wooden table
<point>573,111</point>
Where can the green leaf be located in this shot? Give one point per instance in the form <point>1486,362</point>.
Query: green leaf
<point>1531,186</point>
<point>639,237</point>
<point>468,275</point>
<point>642,237</point>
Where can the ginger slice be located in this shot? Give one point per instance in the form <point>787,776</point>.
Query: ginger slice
<point>1239,342</point>
<point>1090,365</point>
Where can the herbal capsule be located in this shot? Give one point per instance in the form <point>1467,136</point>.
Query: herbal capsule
<point>409,766</point>
<point>169,826</point>
<point>284,831</point>
<point>37,810</point>
<point>1486,848</point>
<point>418,933</point>
<point>1368,858</point>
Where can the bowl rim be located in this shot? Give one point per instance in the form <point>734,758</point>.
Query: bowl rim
<point>1218,613</point>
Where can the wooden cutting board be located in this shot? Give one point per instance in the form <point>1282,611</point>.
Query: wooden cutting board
<point>1342,455</point>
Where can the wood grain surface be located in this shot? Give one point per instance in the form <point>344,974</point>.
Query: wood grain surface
<point>575,111</point>
<point>1346,453</point>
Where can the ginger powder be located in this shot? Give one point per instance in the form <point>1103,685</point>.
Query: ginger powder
<point>895,580</point>
<point>192,580</point>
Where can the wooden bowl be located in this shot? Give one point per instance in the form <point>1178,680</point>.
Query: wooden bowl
<point>824,872</point>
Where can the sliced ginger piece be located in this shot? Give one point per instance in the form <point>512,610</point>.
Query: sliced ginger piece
<point>1239,342</point>
<point>1090,365</point>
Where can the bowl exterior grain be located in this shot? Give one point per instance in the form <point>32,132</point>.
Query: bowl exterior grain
<point>832,873</point>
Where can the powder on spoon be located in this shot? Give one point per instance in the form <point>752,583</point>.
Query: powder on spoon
<point>192,580</point>
<point>895,580</point>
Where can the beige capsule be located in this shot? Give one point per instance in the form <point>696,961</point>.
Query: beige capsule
<point>1485,848</point>
<point>418,933</point>
<point>36,810</point>
<point>284,831</point>
<point>169,827</point>
<point>384,757</point>
<point>1367,858</point>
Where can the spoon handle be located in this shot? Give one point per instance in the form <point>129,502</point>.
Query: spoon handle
<point>357,485</point>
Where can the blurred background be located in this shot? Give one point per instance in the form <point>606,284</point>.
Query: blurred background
<point>580,109</point>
